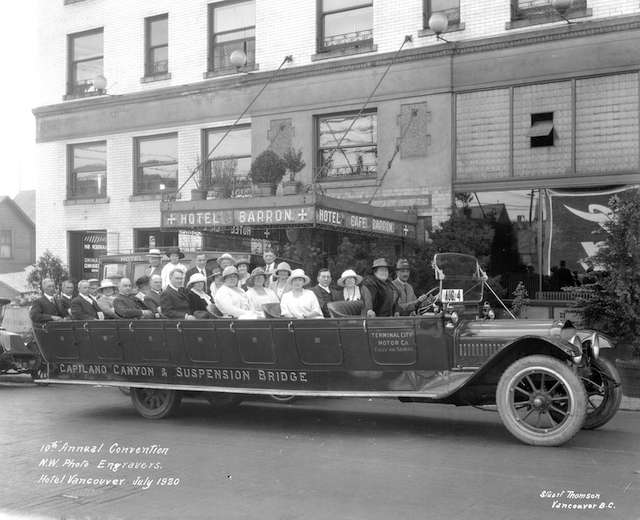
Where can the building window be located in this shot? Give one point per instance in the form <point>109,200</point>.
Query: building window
<point>6,248</point>
<point>86,51</point>
<point>156,45</point>
<point>344,23</point>
<point>156,160</point>
<point>449,7</point>
<point>347,145</point>
<point>541,131</point>
<point>87,170</point>
<point>231,28</point>
<point>542,11</point>
<point>229,164</point>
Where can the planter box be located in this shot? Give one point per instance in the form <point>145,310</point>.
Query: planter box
<point>630,376</point>
<point>198,194</point>
<point>290,188</point>
<point>263,189</point>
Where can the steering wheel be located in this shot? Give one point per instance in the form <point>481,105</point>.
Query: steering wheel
<point>427,305</point>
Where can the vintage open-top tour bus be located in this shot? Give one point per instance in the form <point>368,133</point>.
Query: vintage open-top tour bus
<point>546,378</point>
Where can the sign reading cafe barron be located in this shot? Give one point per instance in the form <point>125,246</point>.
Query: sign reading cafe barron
<point>315,212</point>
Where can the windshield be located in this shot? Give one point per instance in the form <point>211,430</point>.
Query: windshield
<point>461,278</point>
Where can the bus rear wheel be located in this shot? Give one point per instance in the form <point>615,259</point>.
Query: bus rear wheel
<point>155,403</point>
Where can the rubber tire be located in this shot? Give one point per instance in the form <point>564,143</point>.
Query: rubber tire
<point>286,399</point>
<point>612,398</point>
<point>222,401</point>
<point>169,402</point>
<point>575,391</point>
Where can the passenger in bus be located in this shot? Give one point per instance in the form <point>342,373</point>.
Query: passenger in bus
<point>299,302</point>
<point>323,291</point>
<point>269,258</point>
<point>200,302</point>
<point>84,306</point>
<point>64,300</point>
<point>94,285</point>
<point>126,305</point>
<point>258,293</point>
<point>200,267</point>
<point>44,309</point>
<point>106,295</point>
<point>155,263</point>
<point>279,283</point>
<point>230,299</point>
<point>173,301</point>
<point>216,276</point>
<point>350,282</point>
<point>142,288</point>
<point>408,302</point>
<point>152,298</point>
<point>243,265</point>
<point>175,255</point>
<point>225,260</point>
<point>379,295</point>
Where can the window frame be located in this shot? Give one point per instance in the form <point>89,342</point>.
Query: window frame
<point>72,179</point>
<point>522,17</point>
<point>427,12</point>
<point>321,47</point>
<point>148,48</point>
<point>137,167</point>
<point>318,150</point>
<point>10,244</point>
<point>243,182</point>
<point>211,64</point>
<point>73,90</point>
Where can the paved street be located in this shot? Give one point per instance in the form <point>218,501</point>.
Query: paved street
<point>314,459</point>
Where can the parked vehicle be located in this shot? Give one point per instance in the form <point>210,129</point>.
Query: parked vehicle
<point>18,355</point>
<point>545,377</point>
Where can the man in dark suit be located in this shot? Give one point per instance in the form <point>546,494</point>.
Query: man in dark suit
<point>127,305</point>
<point>152,298</point>
<point>83,306</point>
<point>323,291</point>
<point>64,300</point>
<point>174,301</point>
<point>45,308</point>
<point>200,267</point>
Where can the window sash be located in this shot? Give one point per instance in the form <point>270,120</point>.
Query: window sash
<point>156,163</point>
<point>226,37</point>
<point>332,36</point>
<point>523,9</point>
<point>157,45</point>
<point>436,6</point>
<point>87,170</point>
<point>83,67</point>
<point>6,246</point>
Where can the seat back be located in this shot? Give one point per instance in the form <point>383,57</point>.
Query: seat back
<point>272,310</point>
<point>343,309</point>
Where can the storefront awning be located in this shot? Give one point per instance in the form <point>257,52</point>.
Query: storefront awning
<point>307,210</point>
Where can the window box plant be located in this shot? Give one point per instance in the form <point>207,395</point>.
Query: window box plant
<point>222,178</point>
<point>295,164</point>
<point>266,172</point>
<point>200,180</point>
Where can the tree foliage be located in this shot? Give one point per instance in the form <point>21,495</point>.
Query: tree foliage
<point>48,266</point>
<point>268,167</point>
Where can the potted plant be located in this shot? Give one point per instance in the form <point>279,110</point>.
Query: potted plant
<point>266,172</point>
<point>295,164</point>
<point>614,305</point>
<point>222,179</point>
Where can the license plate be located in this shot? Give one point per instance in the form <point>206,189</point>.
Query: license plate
<point>452,295</point>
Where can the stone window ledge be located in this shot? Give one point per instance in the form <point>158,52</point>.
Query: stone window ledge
<point>155,77</point>
<point>351,50</point>
<point>551,18</point>
<point>78,202</point>
<point>145,196</point>
<point>452,28</point>
<point>229,72</point>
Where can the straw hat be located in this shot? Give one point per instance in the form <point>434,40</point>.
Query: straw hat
<point>106,284</point>
<point>215,272</point>
<point>258,271</point>
<point>195,278</point>
<point>226,256</point>
<point>283,266</point>
<point>228,271</point>
<point>299,273</point>
<point>91,281</point>
<point>155,252</point>
<point>243,260</point>
<point>349,273</point>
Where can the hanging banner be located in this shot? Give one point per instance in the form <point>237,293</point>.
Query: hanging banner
<point>577,226</point>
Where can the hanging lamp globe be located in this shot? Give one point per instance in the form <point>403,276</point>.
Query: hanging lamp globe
<point>238,59</point>
<point>100,82</point>
<point>438,22</point>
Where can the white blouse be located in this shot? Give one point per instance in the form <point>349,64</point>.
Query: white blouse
<point>279,290</point>
<point>351,294</point>
<point>234,302</point>
<point>303,306</point>
<point>256,299</point>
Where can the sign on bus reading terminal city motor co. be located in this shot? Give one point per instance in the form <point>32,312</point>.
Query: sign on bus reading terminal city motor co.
<point>185,219</point>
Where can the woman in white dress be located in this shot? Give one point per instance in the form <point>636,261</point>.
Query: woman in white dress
<point>232,301</point>
<point>350,281</point>
<point>299,302</point>
<point>217,282</point>
<point>257,293</point>
<point>280,284</point>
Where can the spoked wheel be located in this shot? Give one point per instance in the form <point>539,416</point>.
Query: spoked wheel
<point>222,401</point>
<point>541,401</point>
<point>283,398</point>
<point>154,403</point>
<point>604,393</point>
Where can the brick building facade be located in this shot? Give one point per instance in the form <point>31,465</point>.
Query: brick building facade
<point>465,115</point>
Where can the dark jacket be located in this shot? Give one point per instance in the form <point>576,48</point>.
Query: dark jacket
<point>128,306</point>
<point>152,301</point>
<point>42,310</point>
<point>64,304</point>
<point>175,304</point>
<point>379,296</point>
<point>83,310</point>
<point>194,270</point>
<point>195,302</point>
<point>325,297</point>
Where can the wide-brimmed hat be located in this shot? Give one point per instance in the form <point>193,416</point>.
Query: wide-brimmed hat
<point>93,281</point>
<point>228,271</point>
<point>155,252</point>
<point>349,273</point>
<point>299,273</point>
<point>380,262</point>
<point>226,256</point>
<point>106,284</point>
<point>402,263</point>
<point>282,266</point>
<point>215,272</point>
<point>243,260</point>
<point>175,251</point>
<point>195,278</point>
<point>258,271</point>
